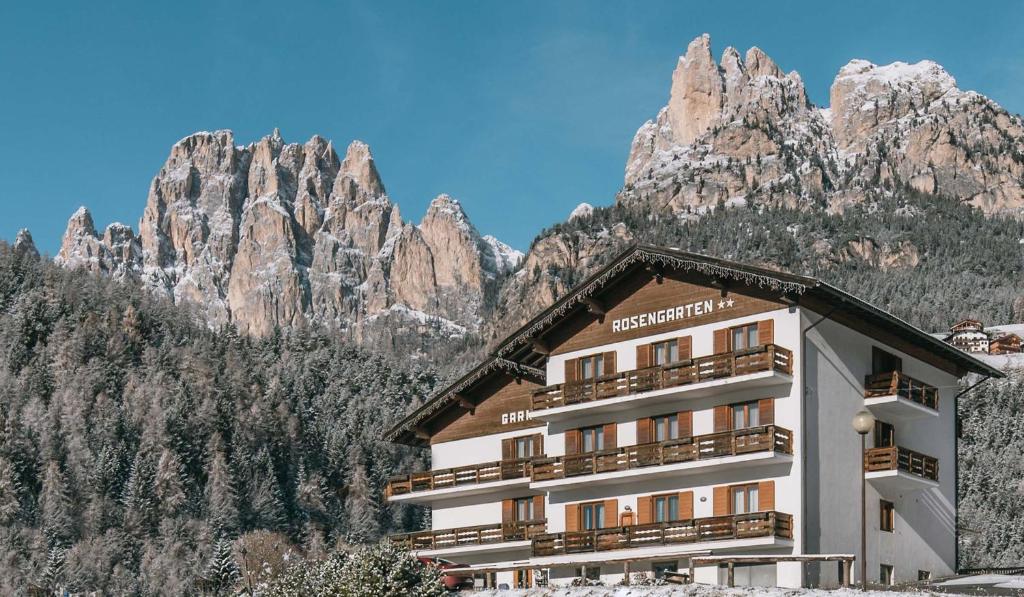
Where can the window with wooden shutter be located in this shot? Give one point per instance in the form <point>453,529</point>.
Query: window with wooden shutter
<point>643,356</point>
<point>645,509</point>
<point>723,419</point>
<point>685,348</point>
<point>508,511</point>
<point>538,444</point>
<point>572,517</point>
<point>766,411</point>
<point>720,501</point>
<point>685,423</point>
<point>571,370</point>
<point>609,436</point>
<point>643,431</point>
<point>508,449</point>
<point>721,341</point>
<point>766,332</point>
<point>538,507</point>
<point>766,496</point>
<point>609,363</point>
<point>573,442</point>
<point>611,513</point>
<point>685,505</point>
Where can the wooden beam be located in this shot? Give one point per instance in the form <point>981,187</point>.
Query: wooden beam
<point>540,347</point>
<point>656,270</point>
<point>721,285</point>
<point>421,433</point>
<point>594,306</point>
<point>465,403</point>
<point>789,301</point>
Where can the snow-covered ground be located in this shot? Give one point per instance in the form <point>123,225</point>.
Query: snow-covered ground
<point>697,591</point>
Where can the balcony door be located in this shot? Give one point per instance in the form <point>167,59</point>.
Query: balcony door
<point>885,435</point>
<point>742,337</point>
<point>746,498</point>
<point>884,362</point>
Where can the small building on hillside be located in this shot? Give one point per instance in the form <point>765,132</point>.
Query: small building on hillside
<point>970,335</point>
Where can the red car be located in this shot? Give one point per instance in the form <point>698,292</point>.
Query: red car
<point>455,581</point>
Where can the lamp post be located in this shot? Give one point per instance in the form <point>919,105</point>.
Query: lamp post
<point>863,423</point>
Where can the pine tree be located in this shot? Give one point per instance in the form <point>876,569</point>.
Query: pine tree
<point>55,507</point>
<point>167,484</point>
<point>361,507</point>
<point>10,488</point>
<point>222,571</point>
<point>140,503</point>
<point>221,500</point>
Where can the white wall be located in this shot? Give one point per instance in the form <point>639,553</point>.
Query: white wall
<point>837,360</point>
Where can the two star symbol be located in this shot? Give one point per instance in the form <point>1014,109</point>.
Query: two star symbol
<point>726,303</point>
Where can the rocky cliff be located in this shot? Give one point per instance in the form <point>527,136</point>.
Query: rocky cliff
<point>741,130</point>
<point>282,234</point>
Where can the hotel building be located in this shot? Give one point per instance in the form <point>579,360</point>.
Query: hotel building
<point>675,406</point>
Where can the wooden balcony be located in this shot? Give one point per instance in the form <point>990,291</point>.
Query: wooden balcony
<point>699,530</point>
<point>760,359</point>
<point>488,534</point>
<point>901,386</point>
<point>899,468</point>
<point>766,438</point>
<point>463,476</point>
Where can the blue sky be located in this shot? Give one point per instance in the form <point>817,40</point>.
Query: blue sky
<point>520,109</point>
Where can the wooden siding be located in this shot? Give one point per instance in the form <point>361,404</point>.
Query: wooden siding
<point>640,294</point>
<point>501,396</point>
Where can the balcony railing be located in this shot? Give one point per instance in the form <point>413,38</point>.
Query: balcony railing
<point>765,438</point>
<point>717,528</point>
<point>768,357</point>
<point>487,534</point>
<point>456,477</point>
<point>897,383</point>
<point>896,458</point>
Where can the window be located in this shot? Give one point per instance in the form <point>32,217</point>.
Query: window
<point>660,568</point>
<point>885,574</point>
<point>884,362</point>
<point>524,447</point>
<point>523,579</point>
<point>666,508</point>
<point>744,499</point>
<point>665,428</point>
<point>592,439</point>
<point>593,572</point>
<point>592,516</point>
<point>924,575</point>
<point>524,509</point>
<point>887,516</point>
<point>885,435</point>
<point>665,352</point>
<point>745,415</point>
<point>744,336</point>
<point>591,367</point>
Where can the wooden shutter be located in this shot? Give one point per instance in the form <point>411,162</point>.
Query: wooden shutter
<point>609,362</point>
<point>573,441</point>
<point>538,507</point>
<point>766,496</point>
<point>766,411</point>
<point>508,511</point>
<point>685,419</point>
<point>685,505</point>
<point>508,449</point>
<point>721,501</point>
<point>723,422</point>
<point>685,345</point>
<point>645,509</point>
<point>643,356</point>
<point>572,517</point>
<point>644,431</point>
<point>609,436</point>
<point>611,513</point>
<point>721,341</point>
<point>766,332</point>
<point>571,368</point>
<point>538,444</point>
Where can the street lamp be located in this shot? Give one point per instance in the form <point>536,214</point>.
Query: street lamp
<point>863,423</point>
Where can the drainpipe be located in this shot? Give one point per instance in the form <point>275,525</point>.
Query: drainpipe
<point>803,424</point>
<point>956,469</point>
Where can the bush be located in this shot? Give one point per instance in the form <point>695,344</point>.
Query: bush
<point>381,570</point>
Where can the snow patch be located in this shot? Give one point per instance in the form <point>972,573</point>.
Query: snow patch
<point>582,210</point>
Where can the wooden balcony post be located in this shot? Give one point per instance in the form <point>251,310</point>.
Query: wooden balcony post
<point>731,578</point>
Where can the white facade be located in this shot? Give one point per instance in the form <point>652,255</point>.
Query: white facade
<point>818,484</point>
